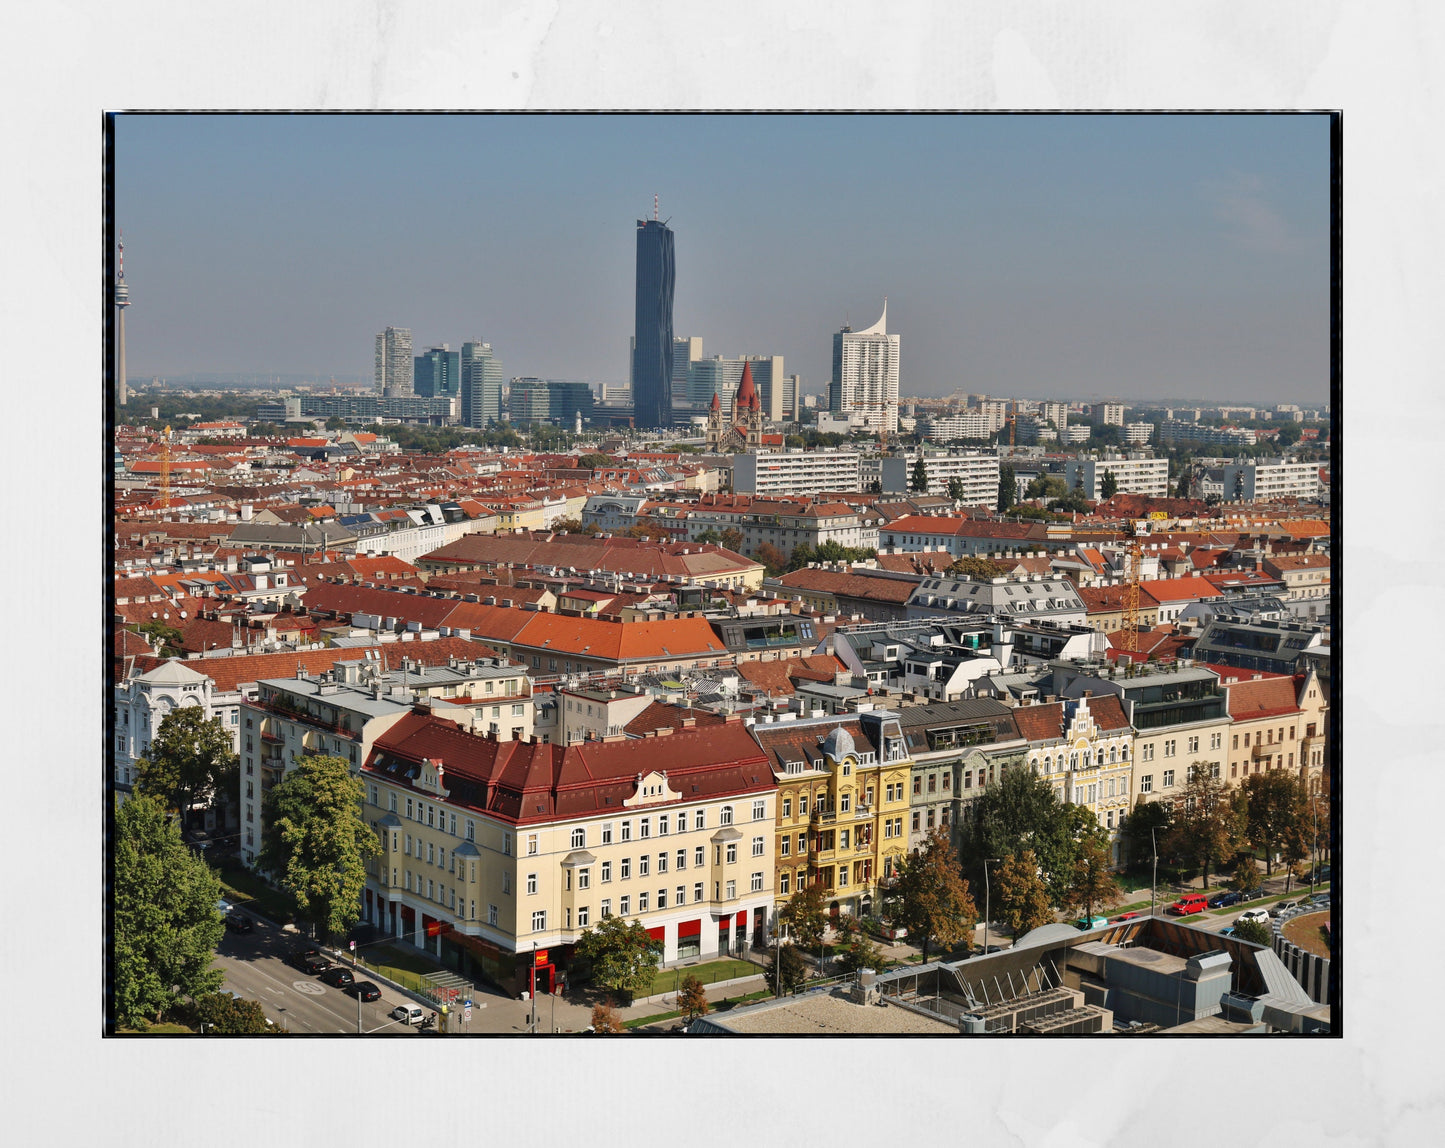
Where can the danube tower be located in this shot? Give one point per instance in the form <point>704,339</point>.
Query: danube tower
<point>121,299</point>
<point>652,325</point>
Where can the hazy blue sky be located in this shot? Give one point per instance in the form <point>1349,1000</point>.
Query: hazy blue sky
<point>1140,256</point>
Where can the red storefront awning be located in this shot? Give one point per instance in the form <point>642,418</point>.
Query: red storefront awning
<point>743,919</point>
<point>657,934</point>
<point>689,928</point>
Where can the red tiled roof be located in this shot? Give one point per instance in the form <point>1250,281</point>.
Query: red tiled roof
<point>777,677</point>
<point>1049,722</point>
<point>531,782</point>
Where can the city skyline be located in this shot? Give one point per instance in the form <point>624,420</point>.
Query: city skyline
<point>1144,257</point>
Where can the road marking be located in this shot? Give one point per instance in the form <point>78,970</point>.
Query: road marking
<point>269,989</point>
<point>310,988</point>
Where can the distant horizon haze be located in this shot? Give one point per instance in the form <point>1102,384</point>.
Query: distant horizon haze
<point>1042,256</point>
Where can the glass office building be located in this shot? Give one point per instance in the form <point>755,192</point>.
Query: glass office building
<point>652,326</point>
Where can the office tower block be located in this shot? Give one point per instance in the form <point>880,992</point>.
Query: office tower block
<point>652,325</point>
<point>393,363</point>
<point>865,375</point>
<point>481,384</point>
<point>437,373</point>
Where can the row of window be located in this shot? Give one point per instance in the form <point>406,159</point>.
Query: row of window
<point>645,903</point>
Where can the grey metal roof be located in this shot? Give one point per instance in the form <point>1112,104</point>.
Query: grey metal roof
<point>970,709</point>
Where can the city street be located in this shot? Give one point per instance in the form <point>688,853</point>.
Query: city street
<point>255,967</point>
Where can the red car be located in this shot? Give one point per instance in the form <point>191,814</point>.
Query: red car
<point>1127,916</point>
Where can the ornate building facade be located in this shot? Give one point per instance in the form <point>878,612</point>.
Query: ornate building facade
<point>743,432</point>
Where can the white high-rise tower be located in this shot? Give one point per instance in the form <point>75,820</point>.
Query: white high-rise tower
<point>865,375</point>
<point>121,299</point>
<point>394,365</point>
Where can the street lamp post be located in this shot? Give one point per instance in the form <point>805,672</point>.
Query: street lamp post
<point>353,981</point>
<point>987,861</point>
<point>1314,841</point>
<point>1154,880</point>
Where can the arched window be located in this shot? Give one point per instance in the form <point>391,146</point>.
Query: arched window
<point>579,838</point>
<point>727,815</point>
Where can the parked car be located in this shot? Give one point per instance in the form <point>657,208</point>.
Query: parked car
<point>1228,897</point>
<point>1281,907</point>
<point>338,977</point>
<point>1259,916</point>
<point>239,922</point>
<point>1320,899</point>
<point>1322,875</point>
<point>1128,916</point>
<point>1086,923</point>
<point>1191,903</point>
<point>309,961</point>
<point>408,1013</point>
<point>363,989</point>
<point>1227,931</point>
<point>1251,895</point>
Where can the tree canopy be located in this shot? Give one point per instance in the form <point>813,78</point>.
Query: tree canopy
<point>316,843</point>
<point>785,969</point>
<point>1277,807</point>
<point>806,915</point>
<point>1108,485</point>
<point>931,898</point>
<point>605,1018</point>
<point>972,566</point>
<point>918,483</point>
<point>1207,821</point>
<point>1091,884</point>
<point>165,638</point>
<point>166,922</point>
<point>189,760</point>
<point>1007,488</point>
<point>692,998</point>
<point>855,949</point>
<point>221,1014</point>
<point>623,957</point>
<point>956,488</point>
<point>1019,898</point>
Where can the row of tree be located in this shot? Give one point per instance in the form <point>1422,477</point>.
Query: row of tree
<point>1210,826</point>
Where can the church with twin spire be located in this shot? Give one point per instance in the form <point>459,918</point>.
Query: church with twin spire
<point>742,433</point>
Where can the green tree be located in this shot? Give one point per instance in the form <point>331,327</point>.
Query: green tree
<point>221,1014</point>
<point>785,969</point>
<point>1019,811</point>
<point>732,539</point>
<point>710,535</point>
<point>1289,434</point>
<point>1246,875</point>
<point>972,566</point>
<point>692,999</point>
<point>1206,821</point>
<point>1139,841</point>
<point>317,844</point>
<point>1019,898</point>
<point>567,526</point>
<point>918,483</point>
<point>1007,488</point>
<point>1182,490</point>
<point>1047,486</point>
<point>189,760</point>
<point>167,639</point>
<point>1276,804</point>
<point>1092,883</point>
<point>596,461</point>
<point>806,915</point>
<point>931,898</point>
<point>854,948</point>
<point>1253,932</point>
<point>165,918</point>
<point>605,1018</point>
<point>623,957</point>
<point>956,489</point>
<point>1108,486</point>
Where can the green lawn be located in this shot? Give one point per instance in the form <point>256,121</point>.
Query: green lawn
<point>155,1028</point>
<point>407,968</point>
<point>239,884</point>
<point>726,969</point>
<point>724,1006</point>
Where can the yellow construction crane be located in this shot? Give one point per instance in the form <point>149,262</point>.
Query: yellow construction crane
<point>1012,415</point>
<point>166,470</point>
<point>1129,624</point>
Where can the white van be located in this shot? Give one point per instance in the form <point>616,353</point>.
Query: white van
<point>408,1013</point>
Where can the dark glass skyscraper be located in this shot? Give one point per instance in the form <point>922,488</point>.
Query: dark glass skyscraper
<point>652,328</point>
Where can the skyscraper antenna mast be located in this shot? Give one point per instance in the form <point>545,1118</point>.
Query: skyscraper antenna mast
<point>654,208</point>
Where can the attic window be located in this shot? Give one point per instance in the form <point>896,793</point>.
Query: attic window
<point>694,789</point>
